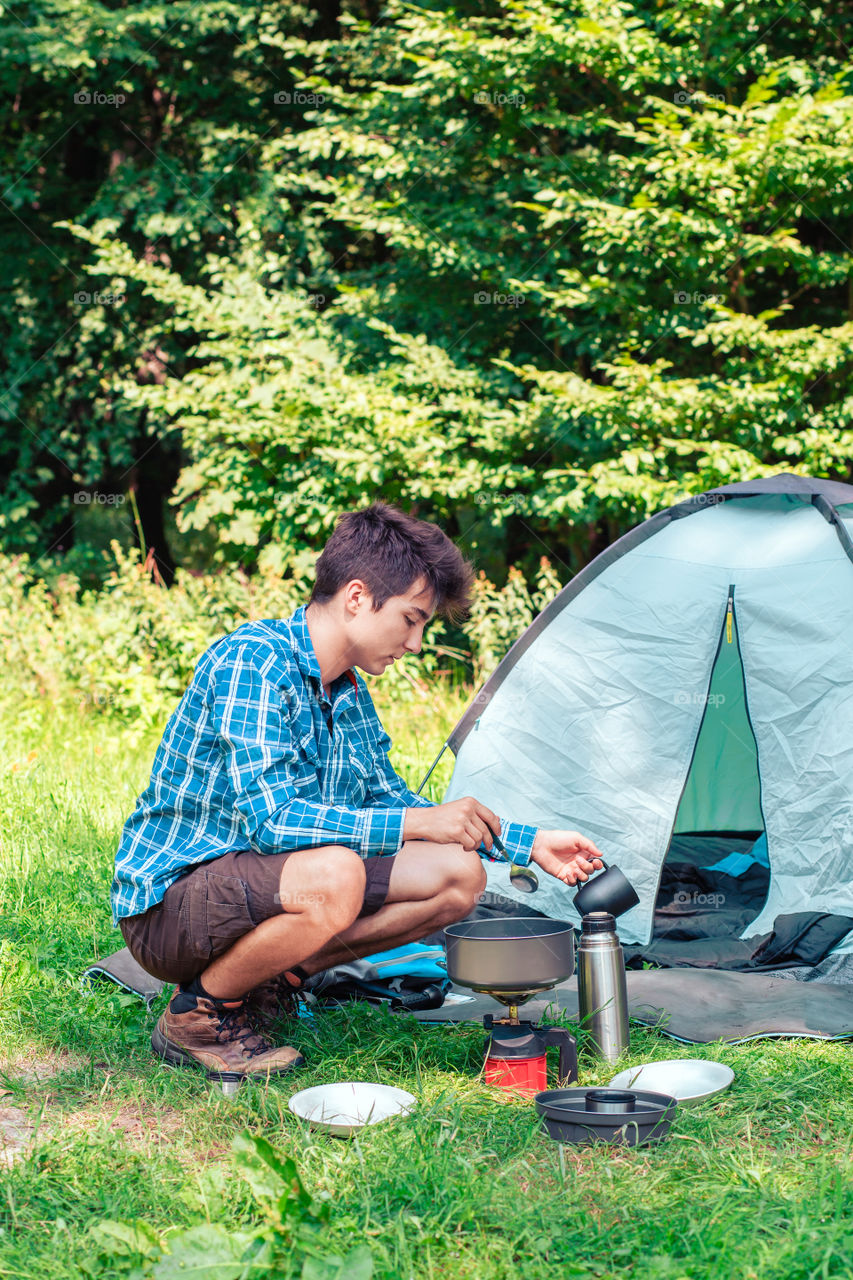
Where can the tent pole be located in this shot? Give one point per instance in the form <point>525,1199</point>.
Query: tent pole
<point>429,771</point>
<point>827,510</point>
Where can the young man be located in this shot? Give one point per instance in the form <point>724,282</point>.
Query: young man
<point>274,839</point>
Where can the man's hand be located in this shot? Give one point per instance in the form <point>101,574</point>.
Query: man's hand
<point>566,855</point>
<point>464,822</point>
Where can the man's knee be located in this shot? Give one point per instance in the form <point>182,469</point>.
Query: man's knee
<point>466,881</point>
<point>329,885</point>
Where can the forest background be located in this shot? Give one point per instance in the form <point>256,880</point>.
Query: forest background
<point>533,270</point>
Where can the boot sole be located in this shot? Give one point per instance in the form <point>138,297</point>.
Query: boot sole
<point>174,1056</point>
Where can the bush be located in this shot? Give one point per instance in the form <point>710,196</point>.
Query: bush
<point>130,649</point>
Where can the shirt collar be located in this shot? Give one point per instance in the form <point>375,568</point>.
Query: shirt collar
<point>303,649</point>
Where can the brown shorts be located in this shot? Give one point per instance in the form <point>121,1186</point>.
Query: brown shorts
<point>210,907</point>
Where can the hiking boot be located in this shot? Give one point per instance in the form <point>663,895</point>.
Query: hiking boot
<point>276,998</point>
<point>218,1036</point>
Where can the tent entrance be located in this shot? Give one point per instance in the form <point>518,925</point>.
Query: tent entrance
<point>716,873</point>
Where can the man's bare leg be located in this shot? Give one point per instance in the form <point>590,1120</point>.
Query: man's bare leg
<point>431,885</point>
<point>310,917</point>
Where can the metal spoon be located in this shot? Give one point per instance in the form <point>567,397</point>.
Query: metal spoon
<point>524,879</point>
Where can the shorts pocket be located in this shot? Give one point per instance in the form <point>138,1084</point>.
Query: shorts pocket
<point>228,917</point>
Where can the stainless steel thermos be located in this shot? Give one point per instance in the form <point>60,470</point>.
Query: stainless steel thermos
<point>602,990</point>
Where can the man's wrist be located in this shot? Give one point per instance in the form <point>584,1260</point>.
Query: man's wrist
<point>413,824</point>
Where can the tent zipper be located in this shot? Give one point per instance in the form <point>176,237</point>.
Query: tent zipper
<point>755,740</point>
<point>726,630</point>
<point>730,608</point>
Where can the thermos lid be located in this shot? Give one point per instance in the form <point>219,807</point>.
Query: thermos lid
<point>598,922</point>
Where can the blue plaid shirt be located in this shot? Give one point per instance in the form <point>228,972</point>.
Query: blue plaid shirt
<point>247,761</point>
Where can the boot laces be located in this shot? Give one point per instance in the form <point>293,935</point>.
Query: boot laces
<point>276,991</point>
<point>233,1027</point>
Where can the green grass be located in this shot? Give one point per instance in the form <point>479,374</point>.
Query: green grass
<point>757,1187</point>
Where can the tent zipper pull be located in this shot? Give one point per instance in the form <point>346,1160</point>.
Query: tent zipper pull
<point>729,612</point>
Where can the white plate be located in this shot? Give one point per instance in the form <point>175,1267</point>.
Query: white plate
<point>342,1108</point>
<point>688,1080</point>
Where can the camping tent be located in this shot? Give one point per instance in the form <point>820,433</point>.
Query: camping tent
<point>696,677</point>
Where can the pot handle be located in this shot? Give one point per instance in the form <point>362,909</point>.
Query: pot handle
<point>568,1069</point>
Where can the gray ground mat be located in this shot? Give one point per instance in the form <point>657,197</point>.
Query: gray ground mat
<point>696,1006</point>
<point>122,969</point>
<point>692,1005</point>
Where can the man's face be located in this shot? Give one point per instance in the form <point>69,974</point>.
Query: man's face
<point>379,639</point>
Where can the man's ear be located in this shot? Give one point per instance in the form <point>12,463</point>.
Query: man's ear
<point>356,596</point>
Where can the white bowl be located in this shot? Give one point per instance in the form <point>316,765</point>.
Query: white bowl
<point>688,1080</point>
<point>342,1108</point>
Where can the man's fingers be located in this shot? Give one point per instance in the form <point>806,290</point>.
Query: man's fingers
<point>484,835</point>
<point>586,846</point>
<point>485,814</point>
<point>473,836</point>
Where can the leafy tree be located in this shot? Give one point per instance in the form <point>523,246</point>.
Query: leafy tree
<point>145,115</point>
<point>533,269</point>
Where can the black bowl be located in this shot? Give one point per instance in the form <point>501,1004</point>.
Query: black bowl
<point>567,1117</point>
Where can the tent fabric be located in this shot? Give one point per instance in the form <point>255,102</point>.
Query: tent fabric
<point>833,491</point>
<point>632,676</point>
<point>725,751</point>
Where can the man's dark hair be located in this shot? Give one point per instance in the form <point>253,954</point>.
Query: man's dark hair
<point>388,551</point>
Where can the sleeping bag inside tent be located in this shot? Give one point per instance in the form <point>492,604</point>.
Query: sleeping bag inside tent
<point>687,702</point>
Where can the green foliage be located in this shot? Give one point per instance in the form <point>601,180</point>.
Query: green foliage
<point>287,1243</point>
<point>128,650</point>
<point>499,616</point>
<point>533,270</point>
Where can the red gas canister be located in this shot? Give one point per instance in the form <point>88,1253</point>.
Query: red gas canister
<point>527,1076</point>
<point>516,1058</point>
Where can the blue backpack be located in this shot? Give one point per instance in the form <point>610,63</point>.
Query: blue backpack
<point>410,978</point>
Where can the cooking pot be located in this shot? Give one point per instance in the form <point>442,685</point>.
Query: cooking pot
<point>522,954</point>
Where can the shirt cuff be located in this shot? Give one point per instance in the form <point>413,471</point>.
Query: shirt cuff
<point>382,832</point>
<point>517,839</point>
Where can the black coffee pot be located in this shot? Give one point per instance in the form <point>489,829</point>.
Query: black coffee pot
<point>609,890</point>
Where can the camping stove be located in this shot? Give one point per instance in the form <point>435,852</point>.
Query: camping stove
<point>512,959</point>
<point>515,1053</point>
